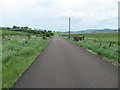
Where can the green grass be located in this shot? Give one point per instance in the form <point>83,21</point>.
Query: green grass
<point>18,53</point>
<point>9,33</point>
<point>103,49</point>
<point>0,61</point>
<point>105,36</point>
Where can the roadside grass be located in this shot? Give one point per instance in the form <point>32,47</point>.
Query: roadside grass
<point>102,49</point>
<point>0,59</point>
<point>17,54</point>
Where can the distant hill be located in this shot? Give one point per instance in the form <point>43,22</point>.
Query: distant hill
<point>96,30</point>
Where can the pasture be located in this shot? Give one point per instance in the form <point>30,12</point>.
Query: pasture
<point>105,36</point>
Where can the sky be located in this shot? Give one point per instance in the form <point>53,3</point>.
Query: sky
<point>54,14</point>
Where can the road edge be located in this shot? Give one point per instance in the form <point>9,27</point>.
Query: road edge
<point>30,64</point>
<point>104,58</point>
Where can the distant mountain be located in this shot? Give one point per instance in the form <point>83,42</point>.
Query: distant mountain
<point>96,30</point>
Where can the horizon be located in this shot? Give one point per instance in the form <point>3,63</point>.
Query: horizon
<point>64,30</point>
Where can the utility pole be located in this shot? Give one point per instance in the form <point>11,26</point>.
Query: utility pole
<point>69,26</point>
<point>60,32</point>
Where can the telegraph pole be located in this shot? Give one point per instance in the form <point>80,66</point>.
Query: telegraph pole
<point>69,26</point>
<point>60,32</point>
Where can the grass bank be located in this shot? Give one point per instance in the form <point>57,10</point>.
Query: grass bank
<point>18,52</point>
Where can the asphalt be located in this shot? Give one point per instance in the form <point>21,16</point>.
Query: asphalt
<point>65,65</point>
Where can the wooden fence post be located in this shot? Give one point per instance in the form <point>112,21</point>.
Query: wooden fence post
<point>100,43</point>
<point>110,44</point>
<point>83,37</point>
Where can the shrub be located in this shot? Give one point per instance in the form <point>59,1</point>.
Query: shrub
<point>48,35</point>
<point>52,34</point>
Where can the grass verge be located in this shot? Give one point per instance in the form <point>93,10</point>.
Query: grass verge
<point>17,54</point>
<point>100,49</point>
<point>0,60</point>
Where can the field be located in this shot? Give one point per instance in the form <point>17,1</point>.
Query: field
<point>18,51</point>
<point>105,36</point>
<point>99,43</point>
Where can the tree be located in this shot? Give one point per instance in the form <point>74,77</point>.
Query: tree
<point>18,27</point>
<point>48,35</point>
<point>52,34</point>
<point>26,28</point>
<point>8,28</point>
<point>14,26</point>
<point>49,31</point>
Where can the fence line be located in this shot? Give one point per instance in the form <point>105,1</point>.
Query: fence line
<point>110,43</point>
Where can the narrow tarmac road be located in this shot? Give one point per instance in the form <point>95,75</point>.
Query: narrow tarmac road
<point>64,65</point>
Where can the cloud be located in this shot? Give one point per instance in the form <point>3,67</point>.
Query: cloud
<point>53,14</point>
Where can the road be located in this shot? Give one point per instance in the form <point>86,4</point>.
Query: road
<point>65,65</point>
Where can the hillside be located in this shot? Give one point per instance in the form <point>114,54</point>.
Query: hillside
<point>96,30</point>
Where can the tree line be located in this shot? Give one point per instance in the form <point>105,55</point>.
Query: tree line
<point>37,32</point>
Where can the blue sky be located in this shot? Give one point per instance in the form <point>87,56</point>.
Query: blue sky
<point>54,14</point>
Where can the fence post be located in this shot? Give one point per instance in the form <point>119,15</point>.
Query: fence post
<point>100,43</point>
<point>83,37</point>
<point>110,44</point>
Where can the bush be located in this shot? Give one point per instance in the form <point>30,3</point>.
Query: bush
<point>52,34</point>
<point>48,35</point>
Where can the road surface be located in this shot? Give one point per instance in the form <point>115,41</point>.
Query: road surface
<point>64,65</point>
